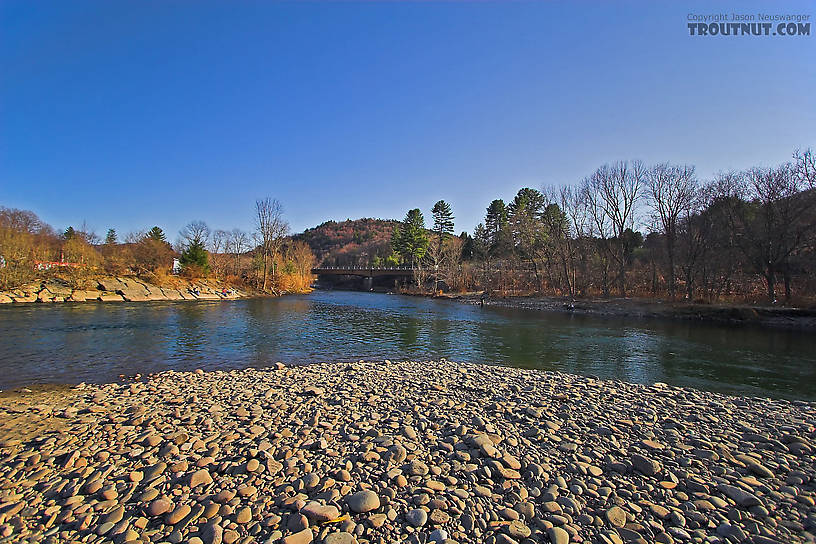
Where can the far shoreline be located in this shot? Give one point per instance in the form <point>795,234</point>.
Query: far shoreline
<point>128,289</point>
<point>131,289</point>
<point>744,315</point>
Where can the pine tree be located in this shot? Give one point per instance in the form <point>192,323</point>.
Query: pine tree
<point>410,239</point>
<point>195,254</point>
<point>156,234</point>
<point>497,227</point>
<point>110,238</point>
<point>443,220</point>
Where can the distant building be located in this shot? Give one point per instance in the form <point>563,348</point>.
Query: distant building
<point>176,266</point>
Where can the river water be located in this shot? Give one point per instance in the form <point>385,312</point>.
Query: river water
<point>98,342</point>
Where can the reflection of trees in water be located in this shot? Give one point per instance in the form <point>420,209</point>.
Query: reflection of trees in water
<point>191,332</point>
<point>261,334</point>
<point>447,337</point>
<point>518,344</point>
<point>407,329</point>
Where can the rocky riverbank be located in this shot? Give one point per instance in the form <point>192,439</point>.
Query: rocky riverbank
<point>762,316</point>
<point>403,452</point>
<point>118,289</point>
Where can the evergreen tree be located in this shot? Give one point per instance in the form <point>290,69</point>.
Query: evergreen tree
<point>69,233</point>
<point>524,217</point>
<point>195,254</point>
<point>410,239</point>
<point>481,241</point>
<point>110,238</point>
<point>497,228</point>
<point>156,234</point>
<point>443,220</point>
<point>467,246</point>
<point>481,249</point>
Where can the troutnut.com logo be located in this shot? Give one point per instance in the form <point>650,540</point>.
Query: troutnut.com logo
<point>748,24</point>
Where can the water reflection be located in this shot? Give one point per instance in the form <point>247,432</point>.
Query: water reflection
<point>98,342</point>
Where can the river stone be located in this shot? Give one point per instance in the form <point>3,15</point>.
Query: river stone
<point>301,537</point>
<point>178,514</point>
<point>616,516</point>
<point>396,454</point>
<point>417,468</point>
<point>741,497</point>
<point>200,477</point>
<point>439,517</point>
<point>760,470</point>
<point>212,534</point>
<point>244,515</point>
<point>644,465</point>
<point>517,529</point>
<point>340,538</point>
<point>416,517</point>
<point>558,535</point>
<point>363,501</point>
<point>320,513</point>
<point>159,507</point>
<point>154,471</point>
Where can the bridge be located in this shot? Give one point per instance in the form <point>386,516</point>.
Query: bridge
<point>364,271</point>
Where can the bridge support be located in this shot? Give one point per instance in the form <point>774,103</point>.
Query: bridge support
<point>368,283</point>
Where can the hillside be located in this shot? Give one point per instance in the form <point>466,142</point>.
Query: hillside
<point>356,242</point>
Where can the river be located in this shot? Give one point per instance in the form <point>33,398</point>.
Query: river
<point>98,342</point>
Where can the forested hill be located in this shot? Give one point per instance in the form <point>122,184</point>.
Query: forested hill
<point>351,242</point>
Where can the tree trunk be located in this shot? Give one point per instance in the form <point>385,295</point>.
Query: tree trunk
<point>689,285</point>
<point>570,286</point>
<point>770,279</point>
<point>787,285</point>
<point>265,268</point>
<point>670,251</point>
<point>535,271</point>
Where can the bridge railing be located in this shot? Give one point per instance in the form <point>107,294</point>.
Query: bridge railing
<point>398,268</point>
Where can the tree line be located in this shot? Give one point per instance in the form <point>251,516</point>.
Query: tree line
<point>266,258</point>
<point>631,229</point>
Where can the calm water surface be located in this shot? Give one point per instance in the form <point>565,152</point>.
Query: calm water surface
<point>71,343</point>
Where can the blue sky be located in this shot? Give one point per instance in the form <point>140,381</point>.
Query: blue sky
<point>128,114</point>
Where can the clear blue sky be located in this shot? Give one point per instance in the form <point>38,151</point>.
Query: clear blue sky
<point>127,114</point>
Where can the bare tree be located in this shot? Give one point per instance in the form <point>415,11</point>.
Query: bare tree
<point>671,191</point>
<point>612,195</point>
<point>452,272</point>
<point>565,218</point>
<point>88,234</point>
<point>238,243</point>
<point>195,232</point>
<point>219,247</point>
<point>573,202</point>
<point>271,228</point>
<point>774,221</point>
<point>804,168</point>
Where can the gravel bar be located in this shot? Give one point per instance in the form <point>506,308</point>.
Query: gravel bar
<point>418,452</point>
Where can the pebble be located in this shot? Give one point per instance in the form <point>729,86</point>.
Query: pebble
<point>416,517</point>
<point>363,501</point>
